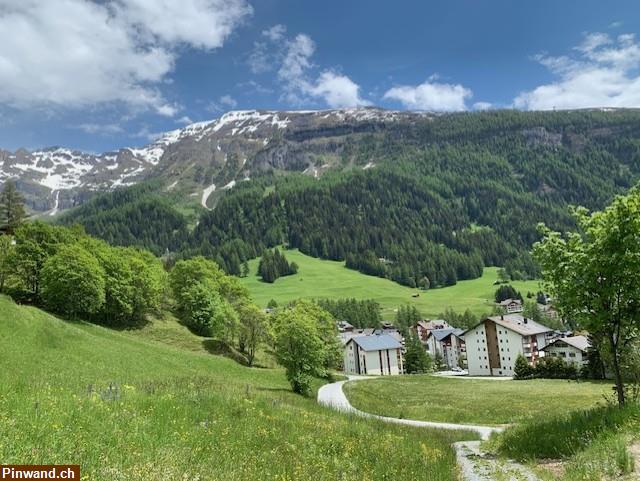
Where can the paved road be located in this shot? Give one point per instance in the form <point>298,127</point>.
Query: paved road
<point>332,395</point>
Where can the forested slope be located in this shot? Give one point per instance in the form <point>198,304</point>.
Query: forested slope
<point>439,198</point>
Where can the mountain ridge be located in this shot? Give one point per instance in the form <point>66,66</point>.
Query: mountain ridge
<point>56,178</point>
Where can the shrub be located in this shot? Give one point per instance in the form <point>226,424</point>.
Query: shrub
<point>522,369</point>
<point>73,282</point>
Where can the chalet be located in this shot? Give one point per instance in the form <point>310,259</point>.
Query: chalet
<point>423,328</point>
<point>375,355</point>
<point>571,349</point>
<point>494,344</point>
<point>449,343</point>
<point>511,306</point>
<point>344,326</point>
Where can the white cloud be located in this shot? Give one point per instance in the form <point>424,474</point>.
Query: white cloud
<point>184,120</point>
<point>102,129</point>
<point>228,101</point>
<point>292,58</point>
<point>602,73</point>
<point>225,102</point>
<point>275,33</point>
<point>337,90</point>
<point>78,53</point>
<point>482,106</point>
<point>431,95</point>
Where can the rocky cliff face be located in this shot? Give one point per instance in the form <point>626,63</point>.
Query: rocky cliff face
<point>198,159</point>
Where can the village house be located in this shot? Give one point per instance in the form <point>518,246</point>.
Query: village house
<point>374,355</point>
<point>511,306</point>
<point>494,344</point>
<point>571,349</point>
<point>449,343</point>
<point>423,328</point>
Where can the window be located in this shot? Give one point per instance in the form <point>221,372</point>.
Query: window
<point>572,354</point>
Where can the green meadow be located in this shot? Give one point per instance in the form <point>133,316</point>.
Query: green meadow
<point>473,401</point>
<point>318,278</point>
<point>156,404</point>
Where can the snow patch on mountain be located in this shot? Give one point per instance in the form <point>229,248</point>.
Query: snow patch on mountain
<point>206,193</point>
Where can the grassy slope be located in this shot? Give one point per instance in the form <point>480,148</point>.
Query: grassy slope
<point>321,278</point>
<point>592,445</point>
<point>176,414</point>
<point>472,401</point>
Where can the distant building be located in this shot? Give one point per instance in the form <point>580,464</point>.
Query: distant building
<point>571,349</point>
<point>370,331</point>
<point>449,343</point>
<point>494,344</point>
<point>344,326</point>
<point>423,328</point>
<point>375,355</point>
<point>511,306</point>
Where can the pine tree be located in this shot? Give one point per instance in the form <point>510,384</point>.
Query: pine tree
<point>416,359</point>
<point>12,211</point>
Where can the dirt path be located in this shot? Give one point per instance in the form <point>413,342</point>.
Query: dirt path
<point>474,464</point>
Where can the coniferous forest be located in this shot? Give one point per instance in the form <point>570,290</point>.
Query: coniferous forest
<point>445,197</point>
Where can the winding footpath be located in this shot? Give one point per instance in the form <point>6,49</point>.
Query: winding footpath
<point>474,464</point>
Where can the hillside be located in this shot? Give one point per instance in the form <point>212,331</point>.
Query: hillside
<point>419,199</point>
<point>330,279</point>
<point>127,408</point>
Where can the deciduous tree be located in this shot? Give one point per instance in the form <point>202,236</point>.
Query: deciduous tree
<point>593,276</point>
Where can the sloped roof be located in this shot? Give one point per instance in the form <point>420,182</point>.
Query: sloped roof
<point>440,334</point>
<point>517,323</point>
<point>506,302</point>
<point>376,343</point>
<point>432,324</point>
<point>520,324</point>
<point>579,342</point>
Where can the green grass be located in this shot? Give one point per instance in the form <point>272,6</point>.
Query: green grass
<point>318,278</point>
<point>151,405</point>
<point>472,401</point>
<point>592,445</point>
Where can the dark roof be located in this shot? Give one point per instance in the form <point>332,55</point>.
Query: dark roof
<point>440,334</point>
<point>376,343</point>
<point>579,342</point>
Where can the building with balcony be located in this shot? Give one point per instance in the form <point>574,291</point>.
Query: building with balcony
<point>493,345</point>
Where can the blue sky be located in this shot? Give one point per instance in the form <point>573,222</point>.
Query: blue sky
<point>102,75</point>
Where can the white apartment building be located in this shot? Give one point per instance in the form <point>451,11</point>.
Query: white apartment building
<point>493,345</point>
<point>375,355</point>
<point>449,343</point>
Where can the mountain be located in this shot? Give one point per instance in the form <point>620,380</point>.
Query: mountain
<point>198,159</point>
<point>422,199</point>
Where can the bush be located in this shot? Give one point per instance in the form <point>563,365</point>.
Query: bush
<point>73,282</point>
<point>522,369</point>
<point>555,368</point>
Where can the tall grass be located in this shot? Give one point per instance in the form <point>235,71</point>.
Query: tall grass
<point>566,435</point>
<point>126,408</point>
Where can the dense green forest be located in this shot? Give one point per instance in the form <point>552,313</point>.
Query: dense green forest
<point>136,216</point>
<point>447,196</point>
